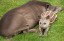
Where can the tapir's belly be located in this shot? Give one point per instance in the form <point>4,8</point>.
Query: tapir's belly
<point>31,20</point>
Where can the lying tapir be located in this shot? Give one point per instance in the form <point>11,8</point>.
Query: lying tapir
<point>22,18</point>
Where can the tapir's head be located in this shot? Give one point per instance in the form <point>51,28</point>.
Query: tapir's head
<point>48,6</point>
<point>51,7</point>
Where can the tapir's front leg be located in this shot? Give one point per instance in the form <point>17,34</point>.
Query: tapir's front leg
<point>15,26</point>
<point>29,30</point>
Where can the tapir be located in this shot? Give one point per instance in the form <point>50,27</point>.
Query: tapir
<point>23,18</point>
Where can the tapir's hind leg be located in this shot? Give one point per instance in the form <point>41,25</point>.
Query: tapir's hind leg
<point>14,26</point>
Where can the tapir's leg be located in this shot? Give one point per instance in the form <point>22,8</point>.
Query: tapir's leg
<point>14,26</point>
<point>29,30</point>
<point>25,31</point>
<point>32,30</point>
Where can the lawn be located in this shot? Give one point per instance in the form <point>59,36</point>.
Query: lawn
<point>56,32</point>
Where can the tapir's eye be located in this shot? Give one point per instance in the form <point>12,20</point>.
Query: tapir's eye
<point>47,5</point>
<point>44,23</point>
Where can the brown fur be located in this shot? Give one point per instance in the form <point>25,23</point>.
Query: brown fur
<point>22,18</point>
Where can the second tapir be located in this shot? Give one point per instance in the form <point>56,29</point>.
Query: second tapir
<point>22,18</point>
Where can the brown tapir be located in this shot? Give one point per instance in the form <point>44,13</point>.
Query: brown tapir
<point>22,18</point>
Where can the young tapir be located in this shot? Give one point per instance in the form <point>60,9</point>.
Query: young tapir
<point>46,19</point>
<point>22,18</point>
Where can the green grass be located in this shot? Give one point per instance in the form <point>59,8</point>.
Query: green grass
<point>56,32</point>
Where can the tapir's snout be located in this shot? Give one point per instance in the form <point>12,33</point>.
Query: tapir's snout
<point>57,9</point>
